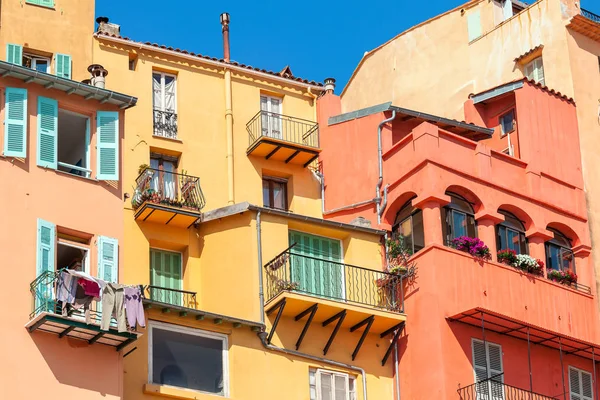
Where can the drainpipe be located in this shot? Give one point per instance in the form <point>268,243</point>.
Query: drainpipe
<point>263,340</point>
<point>228,107</point>
<point>261,294</point>
<point>397,378</point>
<point>381,207</point>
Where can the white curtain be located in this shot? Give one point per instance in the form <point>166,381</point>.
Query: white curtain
<point>157,92</point>
<point>169,93</point>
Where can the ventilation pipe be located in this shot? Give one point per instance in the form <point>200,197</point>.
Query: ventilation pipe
<point>228,107</point>
<point>381,205</point>
<point>98,74</point>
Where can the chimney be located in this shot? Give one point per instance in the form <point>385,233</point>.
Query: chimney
<point>329,85</point>
<point>225,29</point>
<point>108,28</point>
<point>98,75</point>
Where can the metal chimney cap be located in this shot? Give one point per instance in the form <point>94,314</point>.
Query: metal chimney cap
<point>225,19</point>
<point>330,81</point>
<point>102,20</point>
<point>329,85</point>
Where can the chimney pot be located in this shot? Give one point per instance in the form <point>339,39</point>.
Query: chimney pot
<point>225,29</point>
<point>329,85</point>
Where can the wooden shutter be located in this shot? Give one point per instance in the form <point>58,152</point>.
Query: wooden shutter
<point>166,273</point>
<point>479,360</point>
<point>63,66</point>
<point>108,259</point>
<point>107,131</point>
<point>47,124</point>
<point>14,54</point>
<point>474,25</point>
<point>46,245</point>
<point>15,122</point>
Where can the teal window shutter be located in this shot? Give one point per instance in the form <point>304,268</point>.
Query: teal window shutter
<point>63,66</point>
<point>165,272</point>
<point>46,245</point>
<point>46,3</point>
<point>15,123</point>
<point>107,131</point>
<point>474,25</point>
<point>108,259</point>
<point>14,54</point>
<point>47,132</point>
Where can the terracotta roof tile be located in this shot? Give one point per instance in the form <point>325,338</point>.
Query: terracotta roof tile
<point>249,67</point>
<point>522,56</point>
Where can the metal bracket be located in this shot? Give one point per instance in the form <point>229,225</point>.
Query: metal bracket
<point>367,321</point>
<point>312,310</point>
<point>280,306</point>
<point>340,317</point>
<point>398,328</point>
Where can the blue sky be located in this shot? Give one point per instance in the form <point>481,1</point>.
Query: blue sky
<point>316,38</point>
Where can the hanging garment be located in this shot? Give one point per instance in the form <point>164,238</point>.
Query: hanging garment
<point>134,307</point>
<point>91,288</point>
<point>66,288</point>
<point>82,301</point>
<point>83,275</point>
<point>112,304</point>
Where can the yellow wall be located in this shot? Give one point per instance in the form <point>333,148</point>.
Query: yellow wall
<point>65,29</point>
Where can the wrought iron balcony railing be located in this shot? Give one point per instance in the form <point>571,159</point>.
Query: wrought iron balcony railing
<point>168,188</point>
<point>590,15</point>
<point>494,389</point>
<point>283,127</point>
<point>175,297</point>
<point>165,124</point>
<point>333,280</point>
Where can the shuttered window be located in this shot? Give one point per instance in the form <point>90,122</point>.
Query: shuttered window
<point>15,122</point>
<point>580,384</point>
<point>63,66</point>
<point>330,385</point>
<point>14,54</point>
<point>107,129</point>
<point>47,124</point>
<point>46,256</point>
<point>535,71</point>
<point>487,363</point>
<point>43,3</point>
<point>165,273</point>
<point>108,259</point>
<point>474,25</point>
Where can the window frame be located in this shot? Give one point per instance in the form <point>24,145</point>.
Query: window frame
<point>163,91</point>
<point>562,249</point>
<point>34,58</point>
<point>193,332</point>
<point>271,180</point>
<point>532,76</point>
<point>450,208</point>
<point>39,3</point>
<point>350,393</point>
<point>514,121</point>
<point>520,232</point>
<point>410,216</point>
<point>87,171</point>
<point>580,372</point>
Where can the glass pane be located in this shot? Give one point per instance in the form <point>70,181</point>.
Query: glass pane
<point>279,200</point>
<point>405,230</point>
<point>326,387</point>
<point>567,260</point>
<point>506,122</point>
<point>471,229</point>
<point>553,256</point>
<point>41,65</point>
<point>523,244</point>
<point>418,231</point>
<point>340,388</point>
<point>266,192</point>
<point>513,240</point>
<point>187,361</point>
<point>501,237</point>
<point>459,224</point>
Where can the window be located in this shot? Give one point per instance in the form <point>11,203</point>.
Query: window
<point>73,143</point>
<point>409,225</point>
<point>271,116</point>
<point>188,358</point>
<point>165,273</point>
<point>511,234</point>
<point>503,10</point>
<point>559,255</point>
<point>275,193</point>
<point>37,63</point>
<point>488,369</point>
<point>330,385</point>
<point>474,25</point>
<point>535,71</point>
<point>164,180</point>
<point>43,3</point>
<point>507,122</point>
<point>165,104</point>
<point>580,384</point>
<point>459,218</point>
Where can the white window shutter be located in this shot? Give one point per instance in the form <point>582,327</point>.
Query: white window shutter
<point>474,25</point>
<point>312,384</point>
<point>495,359</point>
<point>108,259</point>
<point>479,361</point>
<point>587,390</point>
<point>507,10</point>
<point>539,68</point>
<point>574,384</point>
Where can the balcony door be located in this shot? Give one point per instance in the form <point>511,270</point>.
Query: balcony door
<point>488,370</point>
<point>166,277</point>
<point>164,180</point>
<point>271,116</point>
<point>315,265</point>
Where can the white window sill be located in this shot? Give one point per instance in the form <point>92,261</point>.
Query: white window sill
<point>179,393</point>
<point>177,140</point>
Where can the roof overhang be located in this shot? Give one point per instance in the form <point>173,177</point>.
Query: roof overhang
<point>505,325</point>
<point>463,129</point>
<point>68,86</point>
<point>585,26</point>
<point>497,92</point>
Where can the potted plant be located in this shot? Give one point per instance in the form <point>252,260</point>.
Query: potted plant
<point>473,246</point>
<point>188,184</point>
<point>566,277</point>
<point>529,264</point>
<point>507,256</point>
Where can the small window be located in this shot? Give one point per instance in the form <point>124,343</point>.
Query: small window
<point>188,358</point>
<point>559,255</point>
<point>511,234</point>
<point>37,63</point>
<point>165,104</point>
<point>535,71</point>
<point>507,122</point>
<point>474,25</point>
<point>43,3</point>
<point>330,385</point>
<point>458,218</point>
<point>73,143</point>
<point>580,384</point>
<point>271,118</point>
<point>409,225</point>
<point>275,193</point>
<point>132,61</point>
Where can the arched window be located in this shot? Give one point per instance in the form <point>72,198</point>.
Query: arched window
<point>458,218</point>
<point>510,234</point>
<point>409,225</point>
<point>559,255</point>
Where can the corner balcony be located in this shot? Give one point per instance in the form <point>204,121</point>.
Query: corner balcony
<point>283,138</point>
<point>167,198</point>
<point>587,23</point>
<point>328,291</point>
<point>47,316</point>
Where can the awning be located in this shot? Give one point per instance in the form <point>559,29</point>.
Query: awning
<point>505,325</point>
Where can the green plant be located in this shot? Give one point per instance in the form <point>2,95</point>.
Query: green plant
<point>142,168</point>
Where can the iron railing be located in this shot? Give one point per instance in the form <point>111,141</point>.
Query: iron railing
<point>175,297</point>
<point>169,188</point>
<point>165,124</point>
<point>494,389</point>
<point>283,127</point>
<point>590,15</point>
<point>333,280</point>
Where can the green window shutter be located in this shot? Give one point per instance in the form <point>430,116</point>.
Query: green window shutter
<point>63,66</point>
<point>165,273</point>
<point>14,54</point>
<point>15,123</point>
<point>108,259</point>
<point>46,3</point>
<point>47,124</point>
<point>46,244</point>
<point>107,131</point>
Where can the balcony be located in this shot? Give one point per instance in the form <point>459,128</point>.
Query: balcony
<point>495,389</point>
<point>47,316</point>
<point>283,138</point>
<point>590,15</point>
<point>165,124</point>
<point>297,285</point>
<point>167,198</point>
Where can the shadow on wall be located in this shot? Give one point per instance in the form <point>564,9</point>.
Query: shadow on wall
<point>75,363</point>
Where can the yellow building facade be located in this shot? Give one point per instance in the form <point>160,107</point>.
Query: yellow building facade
<point>223,224</point>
